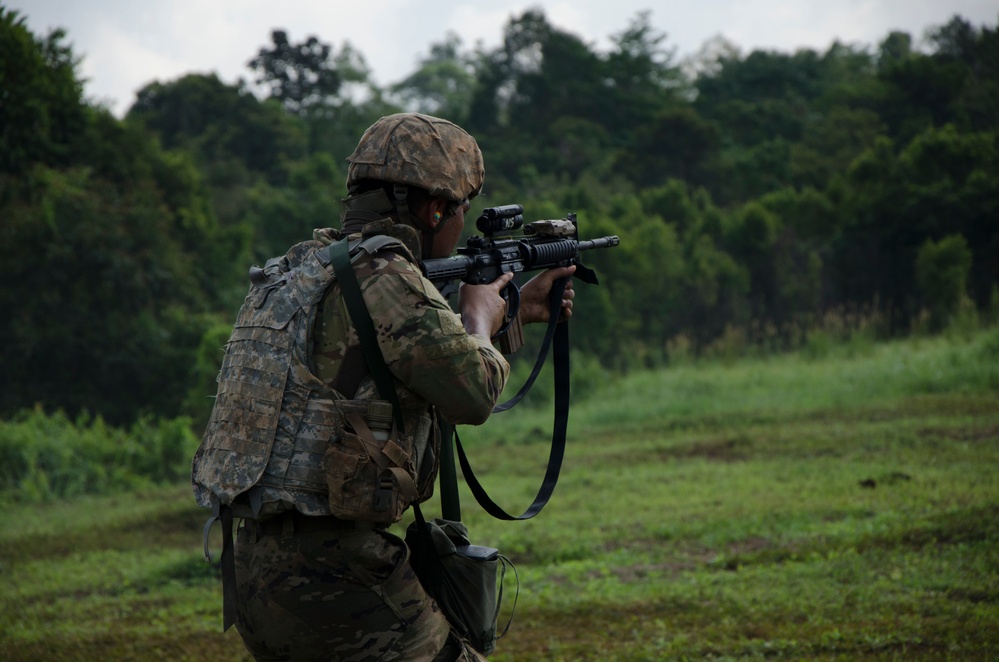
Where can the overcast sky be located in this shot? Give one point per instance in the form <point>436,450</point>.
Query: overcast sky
<point>126,45</point>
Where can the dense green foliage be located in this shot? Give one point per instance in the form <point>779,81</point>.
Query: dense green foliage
<point>46,457</point>
<point>817,506</point>
<point>113,263</point>
<point>755,194</point>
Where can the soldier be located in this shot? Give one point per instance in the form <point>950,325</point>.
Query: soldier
<point>317,575</point>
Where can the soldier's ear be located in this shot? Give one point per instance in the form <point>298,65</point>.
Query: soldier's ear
<point>436,212</point>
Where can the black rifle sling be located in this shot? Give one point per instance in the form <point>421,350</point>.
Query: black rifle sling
<point>559,332</point>
<point>555,302</point>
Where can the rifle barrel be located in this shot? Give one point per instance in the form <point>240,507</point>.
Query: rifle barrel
<point>602,242</point>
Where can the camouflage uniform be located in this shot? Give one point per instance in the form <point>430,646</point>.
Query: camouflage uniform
<point>310,586</point>
<point>350,594</point>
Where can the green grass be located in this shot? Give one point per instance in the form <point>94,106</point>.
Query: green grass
<point>839,507</point>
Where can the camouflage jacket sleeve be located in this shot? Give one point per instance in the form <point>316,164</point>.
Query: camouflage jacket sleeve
<point>425,344</point>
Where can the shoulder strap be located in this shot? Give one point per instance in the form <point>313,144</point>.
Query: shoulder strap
<point>339,252</point>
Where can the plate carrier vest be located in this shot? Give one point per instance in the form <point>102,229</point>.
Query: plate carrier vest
<point>273,419</point>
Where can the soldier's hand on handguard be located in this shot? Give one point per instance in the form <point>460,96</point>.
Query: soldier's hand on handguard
<point>534,305</point>
<point>482,307</point>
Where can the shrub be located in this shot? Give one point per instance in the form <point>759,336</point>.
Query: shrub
<point>46,456</point>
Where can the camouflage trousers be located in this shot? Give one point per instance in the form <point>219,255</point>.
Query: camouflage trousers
<point>347,595</point>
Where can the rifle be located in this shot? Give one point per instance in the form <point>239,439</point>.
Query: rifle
<point>539,245</point>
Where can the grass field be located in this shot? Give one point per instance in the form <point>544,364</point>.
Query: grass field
<point>844,506</point>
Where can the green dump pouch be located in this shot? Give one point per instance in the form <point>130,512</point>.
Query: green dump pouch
<point>466,580</point>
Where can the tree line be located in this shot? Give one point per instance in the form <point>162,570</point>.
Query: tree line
<point>756,194</point>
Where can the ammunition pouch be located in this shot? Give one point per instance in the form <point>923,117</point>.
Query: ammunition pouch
<point>371,475</point>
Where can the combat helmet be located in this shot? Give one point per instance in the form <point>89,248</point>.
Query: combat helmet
<point>419,150</point>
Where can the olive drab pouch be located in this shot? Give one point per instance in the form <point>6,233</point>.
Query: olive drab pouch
<point>369,468</point>
<point>465,580</point>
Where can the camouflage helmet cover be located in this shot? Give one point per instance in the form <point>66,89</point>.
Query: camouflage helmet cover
<point>419,150</point>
